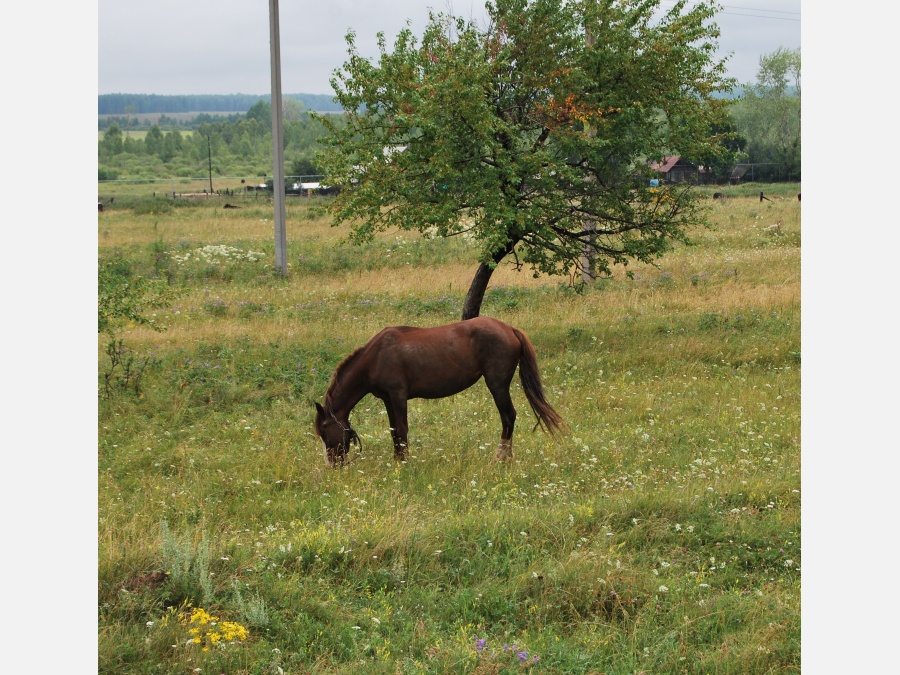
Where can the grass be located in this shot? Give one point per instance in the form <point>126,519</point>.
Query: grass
<point>659,534</point>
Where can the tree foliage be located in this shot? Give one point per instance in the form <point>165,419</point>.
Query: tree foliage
<point>769,113</point>
<point>112,143</point>
<point>527,135</point>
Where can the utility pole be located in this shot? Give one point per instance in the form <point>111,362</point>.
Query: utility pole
<point>277,142</point>
<point>209,151</point>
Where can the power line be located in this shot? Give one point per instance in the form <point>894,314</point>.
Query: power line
<point>761,16</point>
<point>754,9</point>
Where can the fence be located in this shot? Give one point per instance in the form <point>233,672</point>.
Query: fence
<point>175,188</point>
<point>763,172</point>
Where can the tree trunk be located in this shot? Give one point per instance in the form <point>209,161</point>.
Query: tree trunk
<point>472,305</point>
<point>475,296</point>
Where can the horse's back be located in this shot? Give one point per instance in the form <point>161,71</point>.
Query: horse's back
<point>442,360</point>
<point>481,327</point>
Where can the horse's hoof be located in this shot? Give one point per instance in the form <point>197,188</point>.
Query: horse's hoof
<point>504,452</point>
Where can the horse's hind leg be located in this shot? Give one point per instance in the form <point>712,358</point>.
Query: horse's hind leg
<point>507,410</point>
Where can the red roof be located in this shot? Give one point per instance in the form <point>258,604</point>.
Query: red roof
<point>666,165</point>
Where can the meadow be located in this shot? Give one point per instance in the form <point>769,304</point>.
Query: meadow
<point>660,533</point>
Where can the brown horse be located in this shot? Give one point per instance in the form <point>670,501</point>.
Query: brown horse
<point>402,362</point>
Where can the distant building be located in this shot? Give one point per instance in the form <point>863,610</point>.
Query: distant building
<point>675,169</point>
<point>738,173</point>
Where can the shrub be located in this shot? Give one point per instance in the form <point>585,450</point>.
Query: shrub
<point>124,297</point>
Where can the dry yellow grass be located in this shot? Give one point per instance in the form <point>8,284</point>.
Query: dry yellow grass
<point>738,265</point>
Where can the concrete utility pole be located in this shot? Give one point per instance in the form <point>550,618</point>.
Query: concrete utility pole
<point>209,151</point>
<point>277,142</point>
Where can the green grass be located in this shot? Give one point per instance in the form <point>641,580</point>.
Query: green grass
<point>659,534</point>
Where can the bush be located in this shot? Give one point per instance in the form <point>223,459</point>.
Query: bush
<point>124,297</point>
<point>106,174</point>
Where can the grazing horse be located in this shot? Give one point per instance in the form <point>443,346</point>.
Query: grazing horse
<point>402,362</point>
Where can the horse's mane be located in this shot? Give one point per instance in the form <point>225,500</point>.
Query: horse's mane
<point>340,373</point>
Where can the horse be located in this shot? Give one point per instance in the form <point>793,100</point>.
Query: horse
<point>403,362</point>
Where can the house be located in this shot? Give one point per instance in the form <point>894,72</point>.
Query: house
<point>738,173</point>
<point>676,169</point>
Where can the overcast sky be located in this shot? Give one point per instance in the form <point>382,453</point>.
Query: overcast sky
<point>222,46</point>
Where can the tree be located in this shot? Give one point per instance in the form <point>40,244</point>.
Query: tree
<point>720,165</point>
<point>303,166</point>
<point>153,141</point>
<point>291,110</point>
<point>528,137</point>
<point>260,111</point>
<point>171,146</point>
<point>112,141</point>
<point>769,113</point>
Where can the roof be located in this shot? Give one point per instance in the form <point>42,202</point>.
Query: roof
<point>669,163</point>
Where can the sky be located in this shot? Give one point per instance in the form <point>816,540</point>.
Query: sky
<point>222,46</point>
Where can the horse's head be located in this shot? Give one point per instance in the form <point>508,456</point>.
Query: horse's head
<point>336,435</point>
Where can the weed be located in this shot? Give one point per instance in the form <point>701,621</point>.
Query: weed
<point>709,321</point>
<point>187,564</point>
<point>248,310</point>
<point>125,371</point>
<point>253,610</point>
<point>664,280</point>
<point>216,307</point>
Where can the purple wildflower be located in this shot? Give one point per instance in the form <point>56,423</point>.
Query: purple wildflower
<point>523,655</point>
<point>480,644</point>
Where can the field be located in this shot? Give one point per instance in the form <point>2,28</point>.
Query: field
<point>660,533</point>
<point>160,190</point>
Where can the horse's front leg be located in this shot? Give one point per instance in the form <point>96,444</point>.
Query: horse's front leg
<point>396,410</point>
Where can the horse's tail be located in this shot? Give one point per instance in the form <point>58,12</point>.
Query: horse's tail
<point>548,419</point>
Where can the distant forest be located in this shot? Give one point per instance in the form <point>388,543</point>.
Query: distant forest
<point>135,104</point>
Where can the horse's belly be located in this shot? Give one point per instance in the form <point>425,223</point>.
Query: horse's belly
<point>441,387</point>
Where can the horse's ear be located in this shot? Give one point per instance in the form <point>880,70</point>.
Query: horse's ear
<point>319,408</point>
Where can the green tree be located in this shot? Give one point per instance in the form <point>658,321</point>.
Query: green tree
<point>292,110</point>
<point>720,165</point>
<point>529,136</point>
<point>768,115</point>
<point>153,141</point>
<point>261,111</point>
<point>112,141</point>
<point>303,166</point>
<point>171,146</point>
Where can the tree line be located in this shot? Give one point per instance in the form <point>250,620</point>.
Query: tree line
<point>133,104</point>
<point>143,122</point>
<point>239,145</point>
<point>762,128</point>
